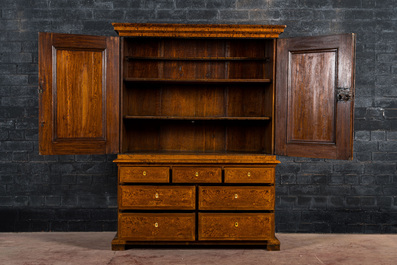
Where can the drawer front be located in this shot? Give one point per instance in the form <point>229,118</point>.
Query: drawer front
<point>231,226</point>
<point>157,226</point>
<point>236,198</point>
<point>249,175</point>
<point>196,175</point>
<point>157,197</point>
<point>144,174</point>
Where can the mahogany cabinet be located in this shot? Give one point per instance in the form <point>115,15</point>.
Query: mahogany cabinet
<point>196,114</point>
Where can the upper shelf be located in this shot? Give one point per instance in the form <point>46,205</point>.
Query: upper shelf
<point>197,81</point>
<point>198,30</point>
<point>136,58</point>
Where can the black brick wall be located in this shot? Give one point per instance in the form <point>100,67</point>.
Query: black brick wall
<point>78,193</point>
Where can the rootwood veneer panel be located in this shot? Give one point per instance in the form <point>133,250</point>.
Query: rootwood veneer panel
<point>242,226</point>
<point>144,174</point>
<point>157,226</point>
<point>250,175</point>
<point>157,197</point>
<point>197,175</point>
<point>236,198</point>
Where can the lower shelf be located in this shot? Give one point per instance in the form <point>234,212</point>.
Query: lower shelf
<point>270,245</point>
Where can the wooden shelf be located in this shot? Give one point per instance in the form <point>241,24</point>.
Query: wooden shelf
<point>138,58</point>
<point>192,118</point>
<point>197,81</point>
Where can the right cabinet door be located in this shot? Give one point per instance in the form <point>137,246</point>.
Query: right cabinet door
<point>315,96</point>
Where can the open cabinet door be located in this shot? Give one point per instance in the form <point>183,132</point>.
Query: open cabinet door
<point>315,96</point>
<point>78,94</point>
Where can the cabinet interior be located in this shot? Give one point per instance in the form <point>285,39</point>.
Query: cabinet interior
<point>197,95</point>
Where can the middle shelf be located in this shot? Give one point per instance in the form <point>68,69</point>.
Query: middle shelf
<point>192,118</point>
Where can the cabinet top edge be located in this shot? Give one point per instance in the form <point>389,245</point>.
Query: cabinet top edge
<point>198,30</point>
<point>197,158</point>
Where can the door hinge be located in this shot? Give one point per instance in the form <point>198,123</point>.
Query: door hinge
<point>40,89</point>
<point>344,94</point>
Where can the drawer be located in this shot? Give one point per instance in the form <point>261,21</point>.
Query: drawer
<point>196,175</point>
<point>157,226</point>
<point>144,174</point>
<point>249,175</point>
<point>232,226</point>
<point>157,197</point>
<point>236,198</point>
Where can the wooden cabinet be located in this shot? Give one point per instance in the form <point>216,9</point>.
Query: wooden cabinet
<point>197,114</point>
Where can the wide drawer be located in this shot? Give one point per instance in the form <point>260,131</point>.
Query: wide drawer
<point>236,198</point>
<point>196,175</point>
<point>250,175</point>
<point>144,174</point>
<point>157,226</point>
<point>157,197</point>
<point>233,226</point>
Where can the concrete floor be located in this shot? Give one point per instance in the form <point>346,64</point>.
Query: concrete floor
<point>94,248</point>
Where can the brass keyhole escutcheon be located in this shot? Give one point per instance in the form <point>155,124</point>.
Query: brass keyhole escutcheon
<point>236,196</point>
<point>196,174</point>
<point>156,195</point>
<point>144,173</point>
<point>249,174</point>
<point>236,224</point>
<point>156,224</point>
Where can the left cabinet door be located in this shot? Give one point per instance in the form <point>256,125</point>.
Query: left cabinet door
<point>79,94</point>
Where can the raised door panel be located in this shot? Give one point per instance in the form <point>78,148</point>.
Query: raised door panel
<point>314,96</point>
<point>79,94</point>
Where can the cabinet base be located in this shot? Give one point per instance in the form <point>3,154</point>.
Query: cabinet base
<point>270,245</point>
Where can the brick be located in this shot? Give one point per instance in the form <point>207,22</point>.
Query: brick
<point>135,4</point>
<point>221,4</point>
<point>378,135</point>
<point>368,202</point>
<point>365,146</point>
<point>384,202</point>
<point>392,156</point>
<point>319,167</point>
<point>335,179</point>
<point>303,202</point>
<point>250,4</point>
<point>389,146</point>
<point>365,190</point>
<point>304,179</point>
<point>315,3</point>
<point>319,202</point>
<point>304,189</point>
<point>191,4</point>
<point>368,180</point>
<point>319,179</point>
<point>202,14</point>
<point>349,167</point>
<point>362,135</point>
<point>234,14</point>
<point>335,202</point>
<point>139,15</point>
<point>53,201</point>
<point>171,14</point>
<point>346,4</point>
<point>264,14</point>
<point>288,179</point>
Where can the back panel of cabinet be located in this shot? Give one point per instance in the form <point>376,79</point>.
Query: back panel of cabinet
<point>196,95</point>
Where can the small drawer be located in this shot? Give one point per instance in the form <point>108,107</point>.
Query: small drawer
<point>144,174</point>
<point>157,197</point>
<point>157,226</point>
<point>250,175</point>
<point>233,226</point>
<point>236,198</point>
<point>196,175</point>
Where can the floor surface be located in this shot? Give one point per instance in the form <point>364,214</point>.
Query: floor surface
<point>94,248</point>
